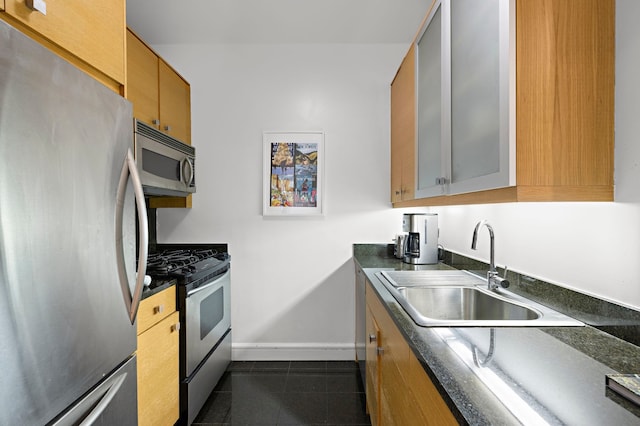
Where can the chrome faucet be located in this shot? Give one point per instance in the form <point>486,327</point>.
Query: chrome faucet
<point>493,279</point>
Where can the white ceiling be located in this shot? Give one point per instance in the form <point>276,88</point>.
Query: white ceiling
<point>276,21</point>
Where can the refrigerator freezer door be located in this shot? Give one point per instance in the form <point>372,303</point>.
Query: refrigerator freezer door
<point>64,325</point>
<point>110,403</point>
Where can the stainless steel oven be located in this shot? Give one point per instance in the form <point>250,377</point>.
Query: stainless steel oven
<point>208,318</point>
<point>207,347</point>
<point>204,302</point>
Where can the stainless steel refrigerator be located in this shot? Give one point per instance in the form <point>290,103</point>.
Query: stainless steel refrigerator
<point>68,285</point>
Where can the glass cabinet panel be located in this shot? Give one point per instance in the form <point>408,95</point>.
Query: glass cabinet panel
<point>429,101</point>
<point>465,85</point>
<point>475,89</point>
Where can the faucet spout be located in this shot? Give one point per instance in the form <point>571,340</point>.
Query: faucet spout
<point>474,242</point>
<point>493,280</point>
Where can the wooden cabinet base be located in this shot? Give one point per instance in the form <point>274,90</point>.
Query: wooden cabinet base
<point>399,391</point>
<point>517,194</point>
<point>170,202</point>
<point>158,387</point>
<point>158,353</point>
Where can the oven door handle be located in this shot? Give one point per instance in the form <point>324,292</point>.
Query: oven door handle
<point>208,285</point>
<point>129,169</point>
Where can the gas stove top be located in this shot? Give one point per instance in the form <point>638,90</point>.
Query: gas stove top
<point>187,265</point>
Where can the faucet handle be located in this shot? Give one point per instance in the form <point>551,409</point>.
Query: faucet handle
<point>494,280</point>
<point>503,281</point>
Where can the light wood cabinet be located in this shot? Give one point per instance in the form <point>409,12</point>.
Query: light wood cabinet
<point>158,360</point>
<point>403,130</point>
<point>142,80</point>
<point>372,368</point>
<point>561,104</point>
<point>175,103</point>
<point>89,34</point>
<point>398,392</point>
<point>161,98</point>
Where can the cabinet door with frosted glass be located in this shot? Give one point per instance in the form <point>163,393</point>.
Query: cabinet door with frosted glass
<point>482,71</point>
<point>431,158</point>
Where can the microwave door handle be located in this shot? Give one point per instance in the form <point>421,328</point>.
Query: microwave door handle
<point>129,169</point>
<point>186,178</point>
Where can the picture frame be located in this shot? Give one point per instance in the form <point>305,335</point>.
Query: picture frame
<point>293,173</point>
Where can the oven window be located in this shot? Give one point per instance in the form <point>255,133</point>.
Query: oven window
<point>159,165</point>
<point>211,312</point>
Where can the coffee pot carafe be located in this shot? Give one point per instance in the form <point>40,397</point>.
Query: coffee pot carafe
<point>421,242</point>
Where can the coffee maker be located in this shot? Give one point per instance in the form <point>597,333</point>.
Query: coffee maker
<point>421,242</point>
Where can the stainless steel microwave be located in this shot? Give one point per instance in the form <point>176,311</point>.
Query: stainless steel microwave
<point>165,164</point>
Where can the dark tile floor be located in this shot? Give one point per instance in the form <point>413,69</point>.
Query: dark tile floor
<point>270,393</point>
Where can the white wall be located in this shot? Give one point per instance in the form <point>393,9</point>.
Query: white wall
<point>293,278</point>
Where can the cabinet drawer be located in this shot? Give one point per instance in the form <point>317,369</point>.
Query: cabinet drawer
<point>156,308</point>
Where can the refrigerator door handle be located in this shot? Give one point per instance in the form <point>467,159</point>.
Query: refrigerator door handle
<point>105,401</point>
<point>132,302</point>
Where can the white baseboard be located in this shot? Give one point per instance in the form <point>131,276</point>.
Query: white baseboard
<point>293,352</point>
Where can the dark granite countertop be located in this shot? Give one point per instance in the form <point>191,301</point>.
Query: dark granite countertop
<point>552,375</point>
<point>157,288</point>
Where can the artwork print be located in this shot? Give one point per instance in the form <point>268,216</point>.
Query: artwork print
<point>294,185</point>
<point>294,173</point>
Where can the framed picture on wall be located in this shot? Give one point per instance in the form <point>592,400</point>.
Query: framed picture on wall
<point>293,173</point>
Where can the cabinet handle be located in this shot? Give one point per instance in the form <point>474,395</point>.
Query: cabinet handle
<point>175,327</point>
<point>155,122</point>
<point>37,5</point>
<point>380,350</point>
<point>158,309</point>
<point>441,181</point>
<point>167,128</point>
<point>372,338</point>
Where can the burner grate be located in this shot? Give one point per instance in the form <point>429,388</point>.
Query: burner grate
<point>178,262</point>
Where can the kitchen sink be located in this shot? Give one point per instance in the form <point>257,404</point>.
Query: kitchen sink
<point>461,299</point>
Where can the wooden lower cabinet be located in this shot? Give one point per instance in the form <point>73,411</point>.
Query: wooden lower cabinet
<point>158,352</point>
<point>372,369</point>
<point>399,392</point>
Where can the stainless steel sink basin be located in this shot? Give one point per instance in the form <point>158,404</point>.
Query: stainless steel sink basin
<point>459,298</point>
<point>463,303</point>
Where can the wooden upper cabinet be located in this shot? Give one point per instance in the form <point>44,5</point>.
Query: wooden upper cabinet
<point>90,34</point>
<point>403,130</point>
<point>142,80</point>
<point>175,104</point>
<point>560,108</point>
<point>160,96</point>
<point>565,98</point>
